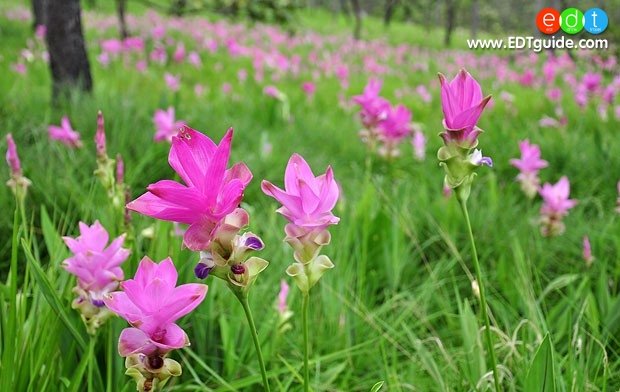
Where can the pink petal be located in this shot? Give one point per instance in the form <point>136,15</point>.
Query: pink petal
<point>133,341</point>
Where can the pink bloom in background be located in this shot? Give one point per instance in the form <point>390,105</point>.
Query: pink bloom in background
<point>40,32</point>
<point>65,133</point>
<point>242,75</point>
<point>194,59</point>
<point>587,251</point>
<point>555,206</point>
<point>424,94</point>
<point>210,192</point>
<point>397,124</point>
<point>529,165</point>
<point>272,91</point>
<point>133,44</point>
<point>96,265</point>
<point>462,104</point>
<point>307,201</point>
<point>618,199</point>
<point>373,108</point>
<point>173,82</point>
<point>226,88</point>
<point>165,124</point>
<point>309,89</point>
<point>282,296</point>
<point>100,136</point>
<point>199,90</point>
<point>12,158</point>
<point>554,94</point>
<point>418,141</point>
<point>591,81</point>
<point>159,55</point>
<point>179,54</point>
<point>152,303</point>
<point>112,46</point>
<point>141,66</point>
<point>19,68</point>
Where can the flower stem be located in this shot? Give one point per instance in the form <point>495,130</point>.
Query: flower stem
<point>304,321</point>
<point>243,298</point>
<point>483,301</point>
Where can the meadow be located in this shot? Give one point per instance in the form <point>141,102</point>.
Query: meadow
<point>399,311</point>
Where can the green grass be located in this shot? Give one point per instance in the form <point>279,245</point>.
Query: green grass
<point>397,308</point>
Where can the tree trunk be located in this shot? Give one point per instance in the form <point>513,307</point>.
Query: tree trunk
<point>475,18</point>
<point>450,19</point>
<point>67,51</point>
<point>357,11</point>
<point>38,13</point>
<point>389,11</point>
<point>121,5</point>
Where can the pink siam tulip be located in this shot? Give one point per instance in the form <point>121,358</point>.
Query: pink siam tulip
<point>165,125</point>
<point>555,206</point>
<point>462,104</point>
<point>284,313</point>
<point>307,203</point>
<point>529,165</point>
<point>152,303</point>
<point>418,141</point>
<point>309,89</point>
<point>65,133</point>
<point>210,192</point>
<point>392,130</point>
<point>18,183</point>
<point>587,251</point>
<point>373,108</point>
<point>97,268</point>
<point>172,82</point>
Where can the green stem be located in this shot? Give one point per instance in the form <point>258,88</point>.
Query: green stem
<point>483,300</point>
<point>304,321</point>
<point>243,298</point>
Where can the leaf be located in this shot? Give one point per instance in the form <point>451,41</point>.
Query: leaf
<point>377,386</point>
<point>53,242</point>
<point>474,366</point>
<point>541,375</point>
<point>51,296</point>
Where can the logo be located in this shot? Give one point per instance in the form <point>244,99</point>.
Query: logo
<point>571,21</point>
<point>548,21</point>
<point>595,20</point>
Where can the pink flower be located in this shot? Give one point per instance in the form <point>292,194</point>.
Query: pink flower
<point>373,108</point>
<point>100,136</point>
<point>418,141</point>
<point>307,201</point>
<point>64,133</point>
<point>618,199</point>
<point>424,94</point>
<point>530,160</point>
<point>172,82</point>
<point>96,265</point>
<point>587,251</point>
<point>397,124</point>
<point>12,158</point>
<point>19,68</point>
<point>282,295</point>
<point>112,46</point>
<point>194,59</point>
<point>309,89</point>
<point>152,303</point>
<point>555,206</point>
<point>165,124</point>
<point>40,32</point>
<point>272,91</point>
<point>179,54</point>
<point>462,104</point>
<point>133,44</point>
<point>210,192</point>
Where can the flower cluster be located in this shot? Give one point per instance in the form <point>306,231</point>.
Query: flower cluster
<point>97,269</point>
<point>462,104</point>
<point>529,165</point>
<point>151,303</point>
<point>307,203</point>
<point>65,133</point>
<point>555,206</point>
<point>385,126</point>
<point>166,126</point>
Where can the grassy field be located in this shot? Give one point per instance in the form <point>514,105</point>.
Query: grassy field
<point>399,306</point>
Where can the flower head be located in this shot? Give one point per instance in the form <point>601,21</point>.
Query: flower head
<point>397,124</point>
<point>555,206</point>
<point>210,191</point>
<point>165,124</point>
<point>65,133</point>
<point>587,251</point>
<point>373,108</point>
<point>18,183</point>
<point>462,104</point>
<point>529,164</point>
<point>307,201</point>
<point>151,302</point>
<point>100,136</point>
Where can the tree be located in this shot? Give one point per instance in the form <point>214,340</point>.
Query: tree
<point>357,11</point>
<point>38,13</point>
<point>451,6</point>
<point>389,11</point>
<point>121,5</point>
<point>67,51</point>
